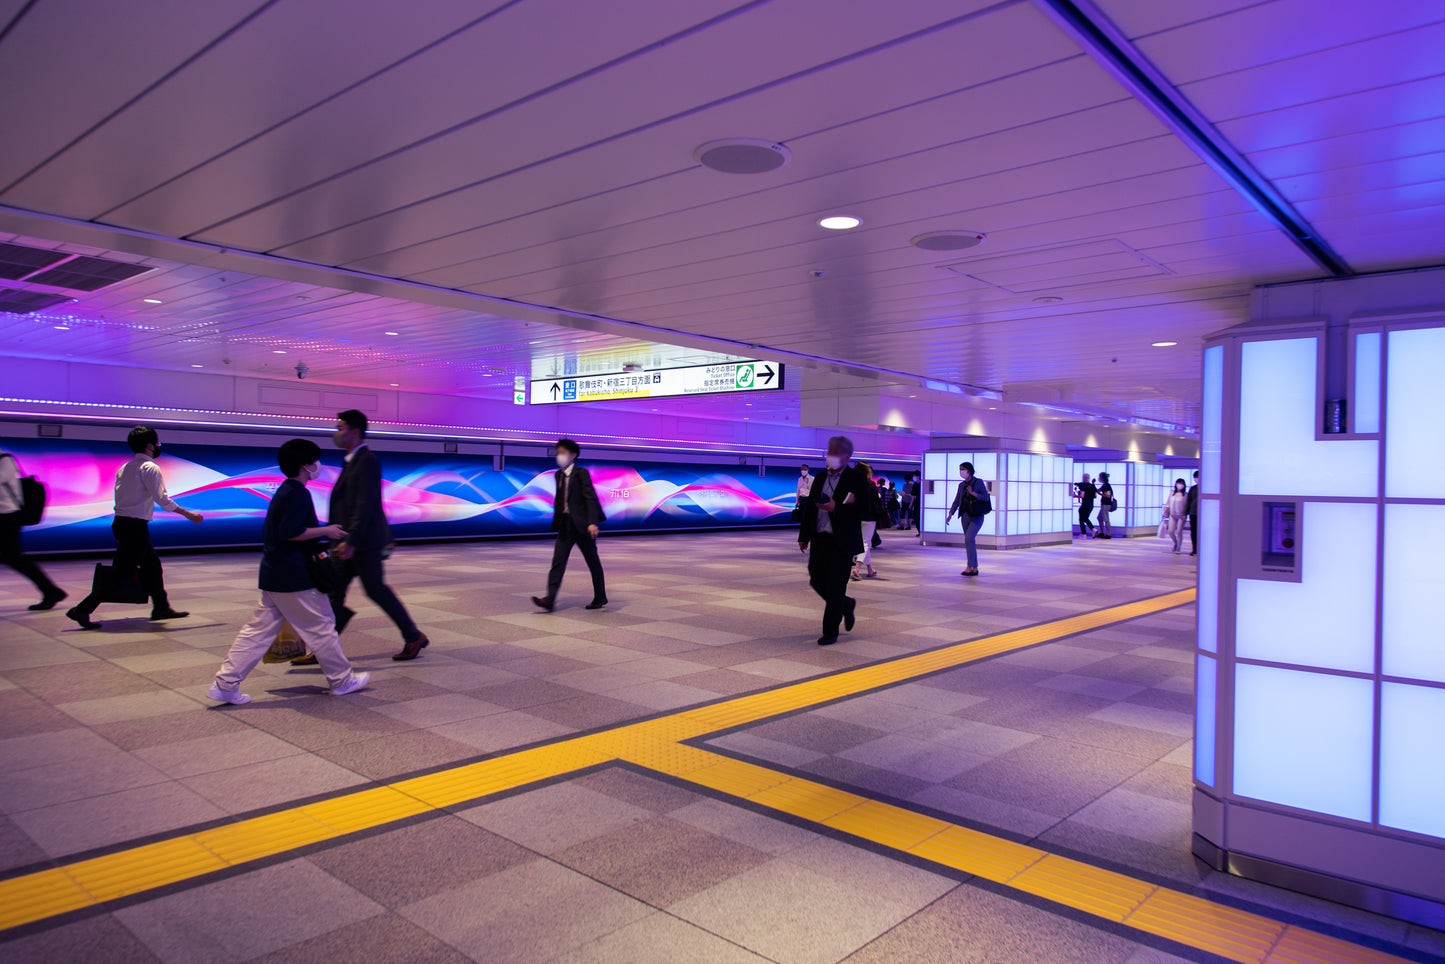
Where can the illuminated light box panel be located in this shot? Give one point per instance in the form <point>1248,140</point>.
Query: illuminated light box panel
<point>1032,503</point>
<point>425,496</point>
<point>1320,688</point>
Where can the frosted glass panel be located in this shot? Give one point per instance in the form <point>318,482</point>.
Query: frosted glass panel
<point>1206,684</point>
<point>1278,453</point>
<point>1304,739</point>
<point>1414,603</point>
<point>1208,575</point>
<point>1415,387</point>
<point>1366,417</point>
<point>1326,619</point>
<point>933,520</point>
<point>1412,781</point>
<point>985,465</point>
<point>1212,428</point>
<point>935,465</point>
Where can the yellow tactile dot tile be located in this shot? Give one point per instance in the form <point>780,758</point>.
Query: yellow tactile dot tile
<point>40,895</point>
<point>736,778</point>
<point>360,811</point>
<point>980,854</point>
<point>1306,947</point>
<point>154,865</point>
<point>1226,931</point>
<point>888,825</point>
<point>1084,887</point>
<point>258,837</point>
<point>806,799</point>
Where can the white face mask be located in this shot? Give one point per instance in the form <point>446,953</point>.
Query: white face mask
<point>563,460</point>
<point>835,462</point>
<point>312,472</point>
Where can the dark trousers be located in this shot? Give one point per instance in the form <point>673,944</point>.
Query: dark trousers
<point>366,564</point>
<point>1085,526</point>
<point>133,550</point>
<point>570,535</point>
<point>1193,534</point>
<point>829,569</point>
<point>13,555</point>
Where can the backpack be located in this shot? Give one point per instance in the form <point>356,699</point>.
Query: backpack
<point>32,496</point>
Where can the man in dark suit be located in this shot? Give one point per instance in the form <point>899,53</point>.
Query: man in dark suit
<point>356,507</point>
<point>832,530</point>
<point>1191,508</point>
<point>576,514</point>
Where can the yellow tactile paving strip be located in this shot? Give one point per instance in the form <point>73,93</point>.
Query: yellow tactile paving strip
<point>658,745</point>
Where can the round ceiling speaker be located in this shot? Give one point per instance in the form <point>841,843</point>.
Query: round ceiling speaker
<point>742,155</point>
<point>947,240</point>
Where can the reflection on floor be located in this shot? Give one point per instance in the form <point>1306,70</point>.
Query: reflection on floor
<point>1079,747</point>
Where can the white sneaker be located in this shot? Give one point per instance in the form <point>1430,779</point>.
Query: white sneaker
<point>354,682</point>
<point>227,696</point>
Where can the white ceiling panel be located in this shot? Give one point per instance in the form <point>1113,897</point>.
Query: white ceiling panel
<point>1137,18</point>
<point>1375,109</point>
<point>66,65</point>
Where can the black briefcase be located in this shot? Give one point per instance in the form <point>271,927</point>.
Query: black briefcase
<point>113,586</point>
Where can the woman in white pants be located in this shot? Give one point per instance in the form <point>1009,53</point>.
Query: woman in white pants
<point>870,512</point>
<point>287,590</point>
<point>1176,510</point>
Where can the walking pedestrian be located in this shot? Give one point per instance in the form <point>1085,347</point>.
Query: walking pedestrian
<point>12,553</point>
<point>1176,508</point>
<point>576,514</point>
<point>832,535</point>
<point>288,536</point>
<point>139,488</point>
<point>1193,510</point>
<point>1086,493</point>
<point>356,506</point>
<point>870,510</point>
<point>805,485</point>
<point>971,503</point>
<point>1107,504</point>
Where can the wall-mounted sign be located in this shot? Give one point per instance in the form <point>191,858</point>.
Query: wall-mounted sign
<point>744,376</point>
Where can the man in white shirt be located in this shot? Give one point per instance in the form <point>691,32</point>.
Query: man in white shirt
<point>11,552</point>
<point>805,487</point>
<point>139,488</point>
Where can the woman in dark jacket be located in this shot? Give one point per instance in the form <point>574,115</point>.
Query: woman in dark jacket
<point>1106,505</point>
<point>870,513</point>
<point>971,504</point>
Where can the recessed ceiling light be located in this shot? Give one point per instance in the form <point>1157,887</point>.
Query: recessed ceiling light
<point>1164,344</point>
<point>277,351</point>
<point>62,327</point>
<point>948,240</point>
<point>839,222</point>
<point>742,155</point>
<point>152,301</point>
<point>993,408</point>
<point>394,384</point>
<point>391,332</point>
<point>198,366</point>
<point>1048,300</point>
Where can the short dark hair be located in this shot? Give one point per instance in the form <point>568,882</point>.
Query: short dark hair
<point>296,453</point>
<point>353,419</point>
<point>569,445</point>
<point>140,437</point>
<point>969,466</point>
<point>1196,473</point>
<point>1179,482</point>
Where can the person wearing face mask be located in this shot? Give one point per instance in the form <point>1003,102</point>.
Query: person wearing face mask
<point>356,507</point>
<point>139,488</point>
<point>972,503</point>
<point>805,485</point>
<point>1176,508</point>
<point>288,592</point>
<point>832,535</point>
<point>576,514</point>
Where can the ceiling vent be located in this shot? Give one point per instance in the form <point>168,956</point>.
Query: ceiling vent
<point>742,155</point>
<point>88,274</point>
<point>947,240</point>
<point>17,260</point>
<point>16,301</point>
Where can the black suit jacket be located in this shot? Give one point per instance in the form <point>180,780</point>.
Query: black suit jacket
<point>356,502</point>
<point>847,519</point>
<point>582,502</point>
<point>1191,507</point>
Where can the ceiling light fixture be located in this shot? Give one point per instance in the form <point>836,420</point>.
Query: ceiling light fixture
<point>152,301</point>
<point>839,222</point>
<point>277,351</point>
<point>948,240</point>
<point>395,385</point>
<point>62,327</point>
<point>198,366</point>
<point>1164,344</point>
<point>742,155</point>
<point>391,333</point>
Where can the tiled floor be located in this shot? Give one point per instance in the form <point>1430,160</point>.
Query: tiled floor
<point>1079,746</point>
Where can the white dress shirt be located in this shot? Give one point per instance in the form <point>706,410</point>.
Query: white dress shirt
<point>139,488</point>
<point>562,490</point>
<point>825,519</point>
<point>805,485</point>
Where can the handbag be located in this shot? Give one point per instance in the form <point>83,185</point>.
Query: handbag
<point>32,495</point>
<point>877,539</point>
<point>286,647</point>
<point>117,586</point>
<point>321,570</point>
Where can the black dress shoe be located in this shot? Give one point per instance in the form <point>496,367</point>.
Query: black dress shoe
<point>412,649</point>
<point>82,618</point>
<point>542,602</point>
<point>308,660</point>
<point>596,604</point>
<point>48,601</point>
<point>848,617</point>
<point>168,614</point>
<point>827,640</point>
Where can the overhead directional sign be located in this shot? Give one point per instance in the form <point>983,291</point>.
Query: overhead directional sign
<point>742,376</point>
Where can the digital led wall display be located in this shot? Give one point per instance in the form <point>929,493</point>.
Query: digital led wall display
<point>425,495</point>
